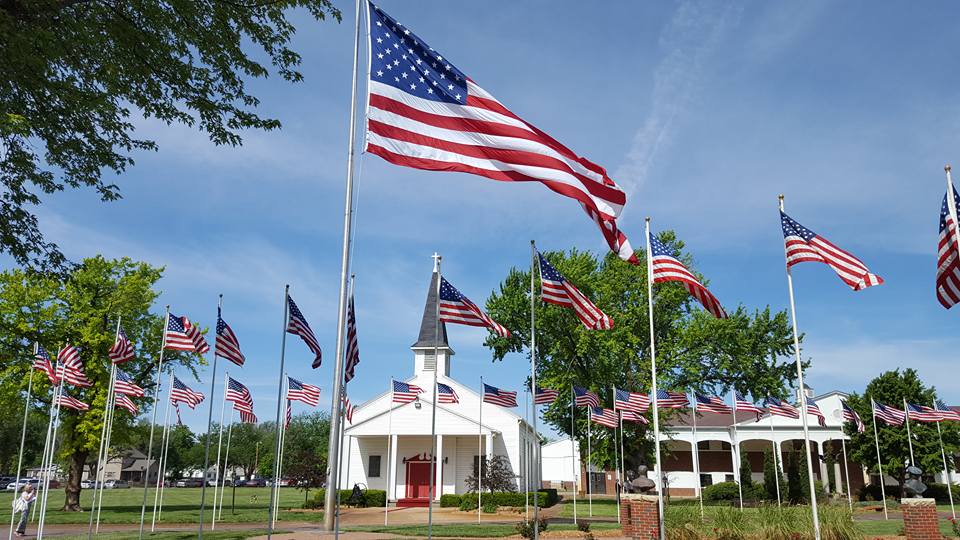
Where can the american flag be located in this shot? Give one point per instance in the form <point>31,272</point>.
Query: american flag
<point>545,396</point>
<point>176,407</point>
<point>948,256</point>
<point>672,400</point>
<point>814,410</point>
<point>297,325</point>
<point>425,113</point>
<point>125,402</point>
<point>347,409</point>
<point>666,267</point>
<point>780,408</point>
<point>850,415</point>
<point>457,308</point>
<point>64,400</point>
<point>70,368</point>
<point>353,347</point>
<point>888,414</point>
<point>712,404</point>
<point>630,401</point>
<point>404,392</point>
<point>289,416</point>
<point>41,361</point>
<point>182,393</point>
<point>946,413</point>
<point>446,394</point>
<point>300,391</point>
<point>630,416</point>
<point>246,416</point>
<point>125,385</point>
<point>496,396</point>
<point>804,245</point>
<point>122,350</point>
<point>604,417</point>
<point>555,289</point>
<point>585,398</point>
<point>238,394</point>
<point>226,345</point>
<point>920,413</point>
<point>743,404</point>
<point>182,335</point>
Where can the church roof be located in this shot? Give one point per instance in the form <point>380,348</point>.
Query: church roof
<point>428,330</point>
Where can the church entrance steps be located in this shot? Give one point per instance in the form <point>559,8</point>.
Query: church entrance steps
<point>413,503</point>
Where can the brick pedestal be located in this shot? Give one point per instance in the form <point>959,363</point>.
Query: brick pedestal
<point>920,520</point>
<point>639,517</point>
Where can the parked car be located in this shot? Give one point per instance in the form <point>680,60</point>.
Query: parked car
<point>116,484</point>
<point>86,484</point>
<point>12,486</point>
<point>189,482</point>
<point>253,482</point>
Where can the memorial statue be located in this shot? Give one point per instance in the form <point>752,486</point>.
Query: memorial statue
<point>637,481</point>
<point>913,486</point>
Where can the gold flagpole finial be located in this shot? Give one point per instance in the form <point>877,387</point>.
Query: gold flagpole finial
<point>647,219</point>
<point>946,167</point>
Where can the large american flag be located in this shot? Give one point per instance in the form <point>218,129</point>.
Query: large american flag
<point>921,413</point>
<point>889,415</point>
<point>70,369</point>
<point>301,391</point>
<point>630,401</point>
<point>183,393</point>
<point>425,113</point>
<point>64,400</point>
<point>630,416</point>
<point>288,417</point>
<point>246,416</point>
<point>226,345</point>
<point>122,350</point>
<point>555,289</point>
<point>672,400</point>
<point>42,362</point>
<point>496,396</point>
<point>585,398</point>
<point>666,267</point>
<point>604,417</point>
<point>814,409</point>
<point>348,409</point>
<point>405,392</point>
<point>804,245</point>
<point>781,408</point>
<point>297,325</point>
<point>182,335</point>
<point>457,308</point>
<point>948,256</point>
<point>238,394</point>
<point>352,355</point>
<point>946,413</point>
<point>545,396</point>
<point>850,415</point>
<point>125,402</point>
<point>446,394</point>
<point>712,404</point>
<point>125,385</point>
<point>741,403</point>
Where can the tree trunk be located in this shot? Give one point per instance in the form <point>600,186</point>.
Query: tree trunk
<point>76,464</point>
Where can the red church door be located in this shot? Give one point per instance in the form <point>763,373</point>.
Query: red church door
<point>418,480</point>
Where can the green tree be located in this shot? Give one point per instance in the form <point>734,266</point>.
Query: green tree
<point>81,308</point>
<point>892,388</point>
<point>694,349</point>
<point>795,482</point>
<point>305,450</point>
<point>77,74</point>
<point>250,446</point>
<point>182,452</point>
<point>771,475</point>
<point>746,472</point>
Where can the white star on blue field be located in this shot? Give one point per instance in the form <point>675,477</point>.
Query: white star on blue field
<point>703,112</point>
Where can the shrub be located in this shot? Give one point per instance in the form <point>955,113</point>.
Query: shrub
<point>939,492</point>
<point>871,492</point>
<point>552,496</point>
<point>778,522</point>
<point>836,523</point>
<point>466,504</point>
<point>730,524</point>
<point>583,526</point>
<point>682,522</point>
<point>513,499</point>
<point>723,491</point>
<point>372,497</point>
<point>449,501</point>
<point>525,528</point>
<point>489,508</point>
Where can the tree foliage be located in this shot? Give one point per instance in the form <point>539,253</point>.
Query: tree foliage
<point>497,475</point>
<point>694,349</point>
<point>78,74</point>
<point>305,449</point>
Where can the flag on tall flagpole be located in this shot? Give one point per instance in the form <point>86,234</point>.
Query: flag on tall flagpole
<point>301,391</point>
<point>804,245</point>
<point>348,409</point>
<point>630,416</point>
<point>246,416</point>
<point>182,335</point>
<point>227,345</point>
<point>555,289</point>
<point>946,413</point>
<point>948,255</point>
<point>667,267</point>
<point>70,368</point>
<point>585,398</point>
<point>741,403</point>
<point>814,410</point>
<point>289,416</point>
<point>781,408</point>
<point>457,308</point>
<point>672,400</point>
<point>298,326</point>
<point>545,396</point>
<point>425,113</point>
<point>239,395</point>
<point>630,401</point>
<point>125,402</point>
<point>65,400</point>
<point>850,415</point>
<point>604,417</point>
<point>125,385</point>
<point>446,394</point>
<point>889,415</point>
<point>712,404</point>
<point>353,347</point>
<point>122,350</point>
<point>496,396</point>
<point>921,413</point>
<point>42,362</point>
<point>183,393</point>
<point>405,393</point>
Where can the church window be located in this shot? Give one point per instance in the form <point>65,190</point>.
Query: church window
<point>373,467</point>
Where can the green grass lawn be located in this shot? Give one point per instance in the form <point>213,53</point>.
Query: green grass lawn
<point>183,535</point>
<point>602,508</point>
<point>470,530</point>
<point>180,505</point>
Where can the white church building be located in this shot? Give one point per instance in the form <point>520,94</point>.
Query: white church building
<point>388,445</point>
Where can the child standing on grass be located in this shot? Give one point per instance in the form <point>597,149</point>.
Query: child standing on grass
<point>22,504</point>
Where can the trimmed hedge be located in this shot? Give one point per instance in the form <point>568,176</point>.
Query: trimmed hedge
<point>871,492</point>
<point>722,491</point>
<point>449,501</point>
<point>372,497</point>
<point>513,499</point>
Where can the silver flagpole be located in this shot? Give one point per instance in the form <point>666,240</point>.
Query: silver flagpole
<point>906,417</point>
<point>434,462</point>
<point>738,458</point>
<point>777,459</point>
<point>49,472</point>
<point>589,461</point>
<point>876,440</point>
<point>283,440</point>
<point>390,464</point>
<point>113,410</point>
<point>946,469</point>
<point>218,474</point>
<point>483,392</point>
<point>623,463</point>
<point>616,463</point>
<point>99,473</point>
<point>164,446</point>
<point>330,496</point>
<point>46,442</point>
<point>330,500</point>
<point>653,386</point>
<point>696,457</point>
<point>153,421</point>
<point>206,449</point>
<point>23,437</point>
<point>526,461</point>
<point>573,451</point>
<point>803,397</point>
<point>340,434</point>
<point>533,386</point>
<point>846,471</point>
<point>226,461</point>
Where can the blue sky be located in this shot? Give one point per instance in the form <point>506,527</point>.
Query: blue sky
<point>702,111</point>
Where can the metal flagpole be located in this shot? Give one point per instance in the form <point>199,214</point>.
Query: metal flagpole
<point>846,471</point>
<point>876,440</point>
<point>206,449</point>
<point>216,478</point>
<point>342,429</point>
<point>330,500</point>
<point>777,459</point>
<point>113,410</point>
<point>573,451</point>
<point>616,463</point>
<point>696,458</point>
<point>653,386</point>
<point>23,436</point>
<point>153,421</point>
<point>589,462</point>
<point>623,463</point>
<point>390,464</point>
<point>526,461</point>
<point>906,417</point>
<point>278,473</point>
<point>483,393</point>
<point>737,457</point>
<point>46,441</point>
<point>533,386</point>
<point>433,415</point>
<point>99,473</point>
<point>803,398</point>
<point>946,469</point>
<point>164,447</point>
<point>226,465</point>
<point>49,472</point>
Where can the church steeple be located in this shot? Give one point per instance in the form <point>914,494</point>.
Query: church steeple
<point>428,337</point>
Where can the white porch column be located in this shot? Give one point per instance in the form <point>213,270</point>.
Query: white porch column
<point>439,474</point>
<point>392,474</point>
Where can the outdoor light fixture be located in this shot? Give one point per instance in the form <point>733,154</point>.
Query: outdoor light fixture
<point>417,403</point>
